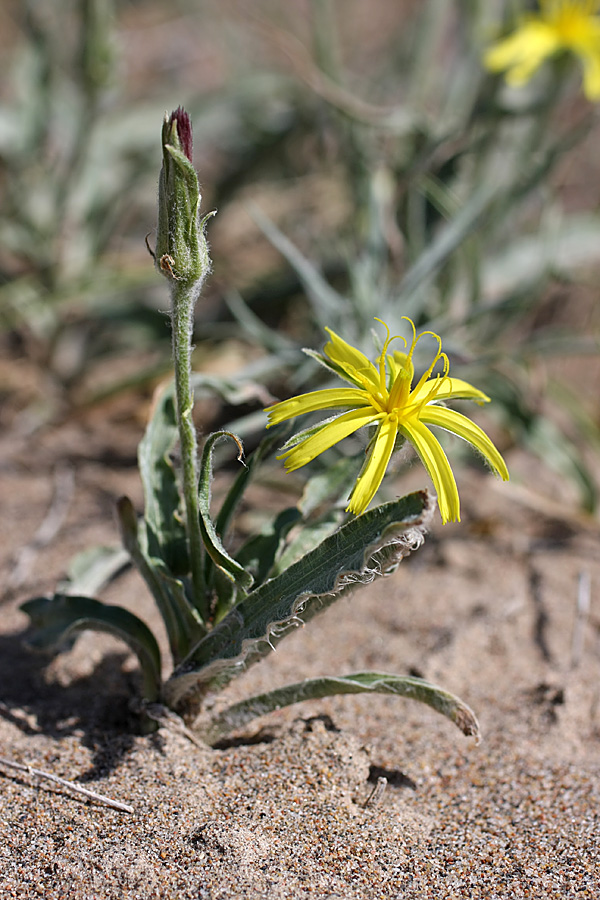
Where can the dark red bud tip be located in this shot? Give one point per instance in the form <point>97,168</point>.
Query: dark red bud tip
<point>184,130</point>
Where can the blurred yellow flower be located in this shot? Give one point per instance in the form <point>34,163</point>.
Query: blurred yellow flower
<point>562,25</point>
<point>383,395</point>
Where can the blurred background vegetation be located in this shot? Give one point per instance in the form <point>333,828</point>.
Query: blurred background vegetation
<point>363,163</point>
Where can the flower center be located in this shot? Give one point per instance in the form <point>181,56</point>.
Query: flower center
<point>403,403</point>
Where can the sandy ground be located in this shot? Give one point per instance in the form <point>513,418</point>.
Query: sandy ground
<point>489,609</point>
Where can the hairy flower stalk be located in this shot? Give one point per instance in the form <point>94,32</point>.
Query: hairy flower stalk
<point>570,26</point>
<point>383,395</point>
<point>182,257</point>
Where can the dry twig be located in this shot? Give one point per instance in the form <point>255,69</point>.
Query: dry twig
<point>376,795</point>
<point>91,795</point>
<point>584,594</point>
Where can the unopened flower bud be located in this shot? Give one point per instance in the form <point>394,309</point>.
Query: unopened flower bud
<point>181,249</point>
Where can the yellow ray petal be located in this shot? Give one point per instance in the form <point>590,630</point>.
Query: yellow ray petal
<point>449,389</point>
<point>333,398</point>
<point>372,474</point>
<point>330,434</point>
<point>464,428</point>
<point>591,73</point>
<point>524,51</point>
<point>436,462</point>
<point>351,359</point>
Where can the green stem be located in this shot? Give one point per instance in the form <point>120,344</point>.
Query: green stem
<point>184,298</point>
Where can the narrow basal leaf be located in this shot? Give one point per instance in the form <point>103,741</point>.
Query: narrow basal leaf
<point>308,538</point>
<point>60,616</point>
<point>359,682</point>
<point>214,546</point>
<point>258,554</point>
<point>235,494</point>
<point>368,546</point>
<point>162,501</point>
<point>183,627</point>
<point>225,594</point>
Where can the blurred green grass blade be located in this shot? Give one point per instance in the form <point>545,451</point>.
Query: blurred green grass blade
<point>427,33</point>
<point>57,618</point>
<point>561,250</point>
<point>371,544</point>
<point>234,391</point>
<point>266,337</point>
<point>327,301</point>
<point>323,491</point>
<point>547,441</point>
<point>541,435</point>
<point>326,686</point>
<point>443,245</point>
<point>566,396</point>
<point>92,569</point>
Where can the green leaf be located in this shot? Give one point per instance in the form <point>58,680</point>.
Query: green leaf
<point>360,682</point>
<point>225,592</point>
<point>331,484</point>
<point>541,435</point>
<point>214,546</point>
<point>236,492</point>
<point>258,554</point>
<point>308,538</point>
<point>323,490</point>
<point>58,617</point>
<point>370,545</point>
<point>549,442</point>
<point>183,628</point>
<point>162,501</point>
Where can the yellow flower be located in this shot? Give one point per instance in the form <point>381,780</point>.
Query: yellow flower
<point>383,395</point>
<point>562,25</point>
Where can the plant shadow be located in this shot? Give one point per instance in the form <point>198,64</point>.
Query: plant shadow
<point>97,707</point>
